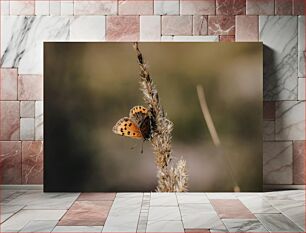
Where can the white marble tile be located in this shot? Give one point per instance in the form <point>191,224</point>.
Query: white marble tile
<point>268,130</point>
<point>129,195</point>
<point>277,223</point>
<point>241,225</point>
<point>55,8</point>
<point>27,108</point>
<point>87,28</point>
<point>39,226</point>
<point>163,199</point>
<point>14,195</point>
<point>200,221</point>
<point>168,213</point>
<point>221,195</point>
<point>165,226</point>
<point>277,162</point>
<point>150,28</point>
<point>39,119</point>
<point>190,209</point>
<point>196,216</point>
<point>4,194</point>
<point>257,205</point>
<point>290,120</point>
<point>301,89</point>
<point>127,202</point>
<point>5,7</point>
<point>22,40</point>
<point>42,7</point>
<point>124,213</point>
<point>218,226</point>
<point>66,7</point>
<point>301,46</point>
<point>190,38</point>
<point>198,198</point>
<point>295,195</point>
<point>78,229</point>
<point>20,219</point>
<point>164,7</point>
<point>292,209</point>
<point>123,219</point>
<point>40,200</point>
<point>279,35</point>
<point>26,128</point>
<point>9,210</point>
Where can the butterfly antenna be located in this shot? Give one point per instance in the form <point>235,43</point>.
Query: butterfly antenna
<point>133,147</point>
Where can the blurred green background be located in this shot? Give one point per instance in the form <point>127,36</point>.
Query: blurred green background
<point>89,86</point>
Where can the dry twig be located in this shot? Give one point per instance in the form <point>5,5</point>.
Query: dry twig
<point>170,178</point>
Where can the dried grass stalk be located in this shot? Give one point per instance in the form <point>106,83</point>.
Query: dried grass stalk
<point>170,178</point>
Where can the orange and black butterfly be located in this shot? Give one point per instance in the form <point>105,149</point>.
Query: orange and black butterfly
<point>138,125</point>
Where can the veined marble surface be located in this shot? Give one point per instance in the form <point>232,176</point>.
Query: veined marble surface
<point>280,37</point>
<point>290,120</point>
<point>301,47</point>
<point>33,210</point>
<point>22,40</point>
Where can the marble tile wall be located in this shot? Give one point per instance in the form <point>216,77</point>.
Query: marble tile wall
<point>26,24</point>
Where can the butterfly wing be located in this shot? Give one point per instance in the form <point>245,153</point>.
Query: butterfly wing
<point>138,114</point>
<point>126,127</point>
<point>145,128</point>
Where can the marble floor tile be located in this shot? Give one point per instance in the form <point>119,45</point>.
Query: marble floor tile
<point>197,230</point>
<point>297,195</point>
<point>23,217</point>
<point>167,213</point>
<point>218,226</point>
<point>165,226</point>
<point>163,199</point>
<point>192,198</point>
<point>257,205</point>
<point>232,209</point>
<point>129,195</point>
<point>40,200</point>
<point>39,226</point>
<point>204,220</point>
<point>124,220</point>
<point>124,213</point>
<point>294,210</point>
<point>13,196</point>
<point>127,202</point>
<point>74,229</point>
<point>221,195</point>
<point>190,209</point>
<point>96,197</point>
<point>277,223</point>
<point>9,210</point>
<point>86,213</point>
<point>238,225</point>
<point>199,216</point>
<point>6,193</point>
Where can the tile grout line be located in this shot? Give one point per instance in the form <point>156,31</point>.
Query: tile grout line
<point>143,216</point>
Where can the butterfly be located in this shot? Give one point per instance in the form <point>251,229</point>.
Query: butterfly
<point>138,125</point>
